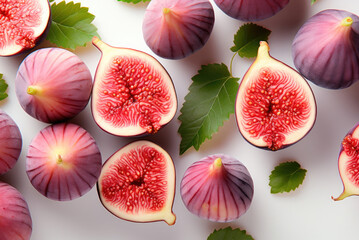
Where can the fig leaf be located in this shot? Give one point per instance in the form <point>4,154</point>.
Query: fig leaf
<point>3,88</point>
<point>71,25</point>
<point>246,40</point>
<point>208,104</point>
<point>313,1</point>
<point>229,234</point>
<point>133,1</point>
<point>286,177</point>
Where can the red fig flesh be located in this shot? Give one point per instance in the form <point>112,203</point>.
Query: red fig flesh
<point>218,188</point>
<point>326,49</point>
<point>63,161</point>
<point>275,106</point>
<point>15,218</point>
<point>53,85</point>
<point>177,28</point>
<point>137,183</point>
<point>132,94</point>
<point>23,24</point>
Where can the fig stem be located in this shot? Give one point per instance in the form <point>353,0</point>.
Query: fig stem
<point>170,218</point>
<point>166,10</point>
<point>34,90</point>
<point>100,44</point>
<point>342,196</point>
<point>263,50</point>
<point>59,159</point>
<point>347,21</point>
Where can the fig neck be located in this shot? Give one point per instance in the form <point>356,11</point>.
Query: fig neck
<point>100,45</point>
<point>263,50</point>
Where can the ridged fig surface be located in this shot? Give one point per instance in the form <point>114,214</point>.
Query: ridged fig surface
<point>23,24</point>
<point>275,106</point>
<point>218,188</point>
<point>15,218</point>
<point>63,161</point>
<point>251,10</point>
<point>175,29</point>
<point>325,50</point>
<point>132,94</point>
<point>53,84</point>
<point>137,183</point>
<point>10,142</point>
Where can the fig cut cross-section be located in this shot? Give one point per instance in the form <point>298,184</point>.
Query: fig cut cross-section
<point>132,94</point>
<point>275,106</point>
<point>137,183</point>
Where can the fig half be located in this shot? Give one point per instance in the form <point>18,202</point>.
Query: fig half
<point>275,106</point>
<point>23,24</point>
<point>137,183</point>
<point>132,94</point>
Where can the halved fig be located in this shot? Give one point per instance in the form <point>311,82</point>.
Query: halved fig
<point>132,93</point>
<point>175,29</point>
<point>137,183</point>
<point>333,61</point>
<point>63,161</point>
<point>275,106</point>
<point>53,85</point>
<point>23,24</point>
<point>10,142</point>
<point>15,218</point>
<point>218,188</point>
<point>348,164</point>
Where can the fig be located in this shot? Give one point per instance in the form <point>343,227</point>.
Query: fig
<point>251,10</point>
<point>63,161</point>
<point>332,62</point>
<point>23,24</point>
<point>15,218</point>
<point>348,163</point>
<point>275,106</point>
<point>53,85</point>
<point>132,94</point>
<point>218,188</point>
<point>10,142</point>
<point>137,183</point>
<point>174,29</point>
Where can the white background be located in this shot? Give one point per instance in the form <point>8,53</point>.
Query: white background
<point>307,213</point>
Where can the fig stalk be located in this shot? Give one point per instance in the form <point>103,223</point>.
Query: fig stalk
<point>34,90</point>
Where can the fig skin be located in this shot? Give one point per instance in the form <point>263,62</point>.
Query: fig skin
<point>63,162</point>
<point>15,217</point>
<point>144,168</point>
<point>10,142</point>
<point>275,106</point>
<point>218,188</point>
<point>251,10</point>
<point>133,94</point>
<point>325,50</point>
<point>29,32</point>
<point>53,85</point>
<point>175,29</point>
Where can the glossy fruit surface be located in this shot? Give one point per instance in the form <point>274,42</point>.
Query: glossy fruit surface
<point>137,183</point>
<point>175,29</point>
<point>275,106</point>
<point>132,94</point>
<point>63,161</point>
<point>251,10</point>
<point>15,218</point>
<point>218,188</point>
<point>23,24</point>
<point>53,84</point>
<point>10,142</point>
<point>325,50</point>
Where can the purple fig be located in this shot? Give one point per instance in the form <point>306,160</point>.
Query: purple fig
<point>15,218</point>
<point>218,188</point>
<point>23,24</point>
<point>326,49</point>
<point>251,10</point>
<point>63,161</point>
<point>53,84</point>
<point>10,142</point>
<point>177,28</point>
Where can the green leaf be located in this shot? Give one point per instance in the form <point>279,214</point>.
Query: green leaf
<point>229,234</point>
<point>208,104</point>
<point>313,1</point>
<point>133,1</point>
<point>286,177</point>
<point>3,88</point>
<point>246,40</point>
<point>71,25</point>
